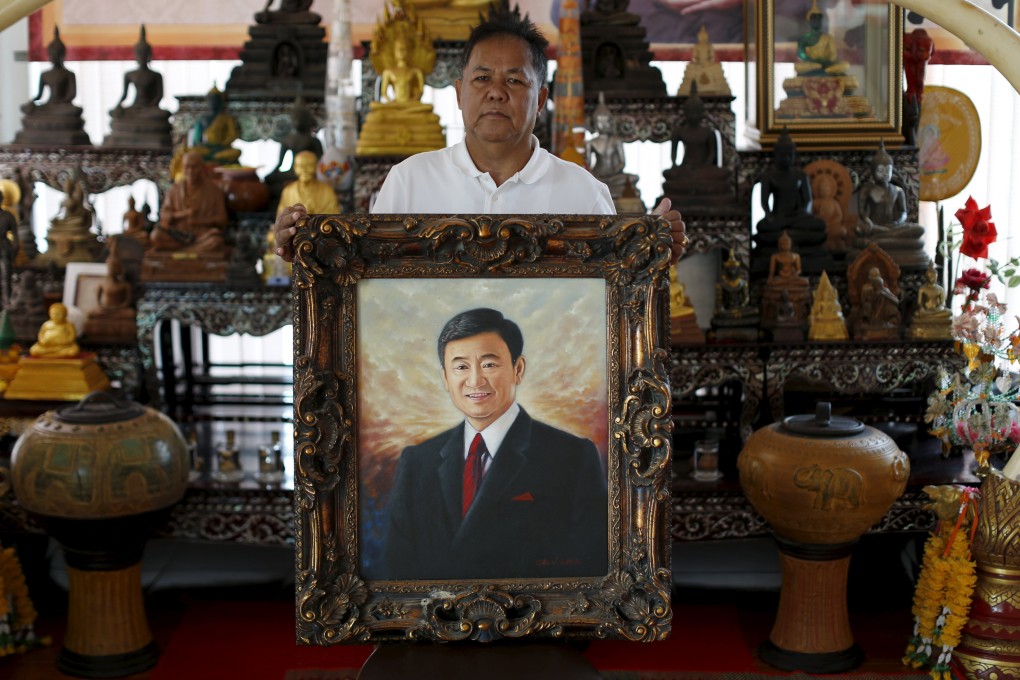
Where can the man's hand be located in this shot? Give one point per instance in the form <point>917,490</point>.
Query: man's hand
<point>284,230</point>
<point>677,229</point>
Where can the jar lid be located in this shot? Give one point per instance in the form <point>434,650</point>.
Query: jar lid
<point>823,423</point>
<point>99,408</point>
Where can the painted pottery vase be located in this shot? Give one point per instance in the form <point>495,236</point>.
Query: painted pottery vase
<point>990,645</point>
<point>99,475</point>
<point>820,481</point>
<point>244,190</point>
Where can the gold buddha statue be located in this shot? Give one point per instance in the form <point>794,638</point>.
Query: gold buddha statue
<point>817,49</point>
<point>212,136</point>
<point>317,197</point>
<point>682,322</point>
<point>402,53</point>
<point>932,320</point>
<point>826,319</point>
<point>704,70</point>
<point>57,336</point>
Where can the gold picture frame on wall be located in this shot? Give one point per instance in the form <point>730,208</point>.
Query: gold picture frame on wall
<point>828,72</point>
<point>387,539</point>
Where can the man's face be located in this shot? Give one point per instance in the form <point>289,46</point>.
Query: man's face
<point>499,94</point>
<point>481,378</point>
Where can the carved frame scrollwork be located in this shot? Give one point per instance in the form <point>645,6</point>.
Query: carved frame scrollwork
<point>335,603</point>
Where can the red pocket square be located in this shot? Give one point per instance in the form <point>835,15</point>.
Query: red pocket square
<point>526,496</point>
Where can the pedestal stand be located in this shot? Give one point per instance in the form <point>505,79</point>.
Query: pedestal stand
<point>812,629</point>
<point>554,661</point>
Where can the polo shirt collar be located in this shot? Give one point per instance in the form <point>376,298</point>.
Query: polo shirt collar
<point>533,170</point>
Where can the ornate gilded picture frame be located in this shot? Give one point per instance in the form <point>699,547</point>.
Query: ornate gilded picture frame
<point>829,72</point>
<point>379,522</point>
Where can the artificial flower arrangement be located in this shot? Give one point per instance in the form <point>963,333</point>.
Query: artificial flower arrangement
<point>975,406</point>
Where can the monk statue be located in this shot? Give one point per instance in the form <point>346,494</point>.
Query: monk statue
<point>683,324</point>
<point>932,320</point>
<point>879,315</point>
<point>214,132</point>
<point>699,181</point>
<point>882,210</point>
<point>69,236</point>
<point>784,279</point>
<point>817,50</point>
<point>605,153</point>
<point>142,123</point>
<point>57,336</point>
<point>289,12</point>
<point>114,319</point>
<point>317,197</point>
<point>54,121</point>
<point>403,54</point>
<point>786,199</point>
<point>135,224</point>
<point>734,318</point>
<point>194,213</point>
<point>826,319</point>
<point>704,70</point>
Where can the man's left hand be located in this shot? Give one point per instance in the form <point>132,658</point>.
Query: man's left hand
<point>677,229</point>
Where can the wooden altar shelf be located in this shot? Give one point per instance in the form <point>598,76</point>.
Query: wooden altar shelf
<point>103,168</point>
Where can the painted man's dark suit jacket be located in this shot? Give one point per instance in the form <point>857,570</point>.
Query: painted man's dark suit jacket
<point>541,510</point>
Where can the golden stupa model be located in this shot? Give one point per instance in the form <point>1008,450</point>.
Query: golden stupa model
<point>402,53</point>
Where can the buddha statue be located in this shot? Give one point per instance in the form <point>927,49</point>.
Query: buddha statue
<point>8,252</point>
<point>786,199</point>
<point>142,123</point>
<point>399,124</point>
<point>27,306</point>
<point>827,207</point>
<point>788,325</point>
<point>683,324</point>
<point>69,236</point>
<point>605,153</point>
<point>879,315</point>
<point>882,216</point>
<point>735,319</point>
<point>135,224</point>
<point>826,320</point>
<point>784,280</point>
<point>300,138</point>
<point>242,269</point>
<point>699,181</point>
<point>113,321</point>
<point>193,214</point>
<point>213,132</point>
<point>57,336</point>
<point>317,197</point>
<point>817,50</point>
<point>932,320</point>
<point>55,121</point>
<point>289,12</point>
<point>704,71</point>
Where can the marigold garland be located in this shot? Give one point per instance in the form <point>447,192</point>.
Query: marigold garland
<point>17,613</point>
<point>943,593</point>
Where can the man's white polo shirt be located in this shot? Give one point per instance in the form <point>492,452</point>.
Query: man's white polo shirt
<point>448,182</point>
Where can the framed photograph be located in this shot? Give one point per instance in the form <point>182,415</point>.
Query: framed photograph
<point>482,428</point>
<point>828,72</point>
<point>81,285</point>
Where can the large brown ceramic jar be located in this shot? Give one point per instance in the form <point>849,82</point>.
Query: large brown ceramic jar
<point>820,481</point>
<point>98,475</point>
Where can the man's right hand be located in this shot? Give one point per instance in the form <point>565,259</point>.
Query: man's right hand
<point>284,230</point>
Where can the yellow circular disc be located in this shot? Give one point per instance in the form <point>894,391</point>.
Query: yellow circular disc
<point>949,141</point>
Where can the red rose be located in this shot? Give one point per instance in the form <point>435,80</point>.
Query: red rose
<point>975,279</point>
<point>978,229</point>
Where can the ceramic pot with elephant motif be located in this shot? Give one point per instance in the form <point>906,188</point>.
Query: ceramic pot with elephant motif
<point>820,481</point>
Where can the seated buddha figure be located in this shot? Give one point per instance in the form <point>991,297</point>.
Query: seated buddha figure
<point>57,336</point>
<point>193,214</point>
<point>54,120</point>
<point>69,237</point>
<point>147,85</point>
<point>817,50</point>
<point>879,315</point>
<point>114,318</point>
<point>882,210</point>
<point>784,280</point>
<point>289,12</point>
<point>605,152</point>
<point>786,199</point>
<point>400,124</point>
<point>699,180</point>
<point>704,71</point>
<point>135,224</point>
<point>317,197</point>
<point>214,131</point>
<point>683,324</point>
<point>932,320</point>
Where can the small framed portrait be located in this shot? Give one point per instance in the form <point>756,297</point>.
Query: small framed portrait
<point>830,73</point>
<point>482,425</point>
<point>82,281</point>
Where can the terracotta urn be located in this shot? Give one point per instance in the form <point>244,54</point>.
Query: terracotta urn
<point>820,481</point>
<point>244,190</point>
<point>98,475</point>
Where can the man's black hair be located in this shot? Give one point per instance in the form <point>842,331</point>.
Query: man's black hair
<point>477,321</point>
<point>503,20</point>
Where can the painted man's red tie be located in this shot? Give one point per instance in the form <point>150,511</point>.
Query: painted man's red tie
<point>474,467</point>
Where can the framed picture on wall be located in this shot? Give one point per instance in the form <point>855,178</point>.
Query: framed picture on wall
<point>482,428</point>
